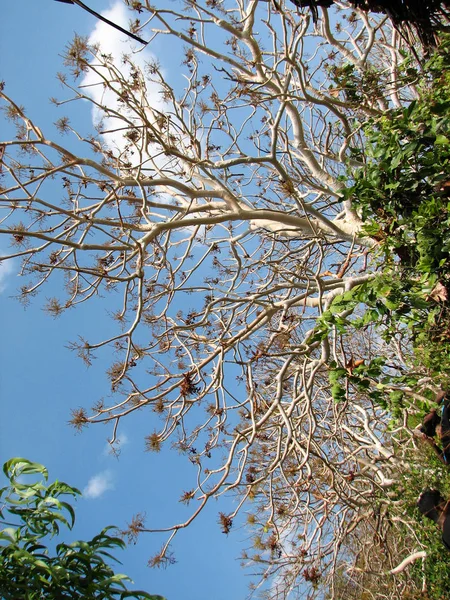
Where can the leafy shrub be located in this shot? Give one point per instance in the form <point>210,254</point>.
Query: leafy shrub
<point>30,514</point>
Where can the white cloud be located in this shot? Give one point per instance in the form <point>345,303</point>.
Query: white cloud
<point>109,38</point>
<point>6,268</point>
<point>112,42</point>
<point>99,484</point>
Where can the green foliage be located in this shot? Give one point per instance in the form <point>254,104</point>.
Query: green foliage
<point>405,192</point>
<point>32,512</point>
<point>426,471</point>
<point>403,196</point>
<point>355,85</point>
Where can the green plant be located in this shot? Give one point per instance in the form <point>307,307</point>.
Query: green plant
<point>425,471</point>
<point>403,196</point>
<point>30,514</point>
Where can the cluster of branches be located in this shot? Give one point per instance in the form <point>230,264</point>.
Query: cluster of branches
<point>214,207</point>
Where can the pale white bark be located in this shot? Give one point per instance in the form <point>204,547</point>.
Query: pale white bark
<point>407,561</point>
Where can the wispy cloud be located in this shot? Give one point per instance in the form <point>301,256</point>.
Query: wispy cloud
<point>99,484</point>
<point>6,269</point>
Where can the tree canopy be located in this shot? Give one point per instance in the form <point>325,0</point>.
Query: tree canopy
<point>270,234</point>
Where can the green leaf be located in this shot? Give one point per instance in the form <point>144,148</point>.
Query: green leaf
<point>337,392</point>
<point>442,140</point>
<point>9,534</point>
<point>15,467</point>
<point>408,112</point>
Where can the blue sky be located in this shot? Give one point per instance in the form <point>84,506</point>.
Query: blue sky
<point>41,380</point>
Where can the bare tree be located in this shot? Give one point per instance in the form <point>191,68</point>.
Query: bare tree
<point>215,209</point>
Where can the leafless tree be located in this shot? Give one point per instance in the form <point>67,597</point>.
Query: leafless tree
<point>215,209</point>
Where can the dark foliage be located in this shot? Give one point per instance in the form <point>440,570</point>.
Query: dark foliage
<point>422,17</point>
